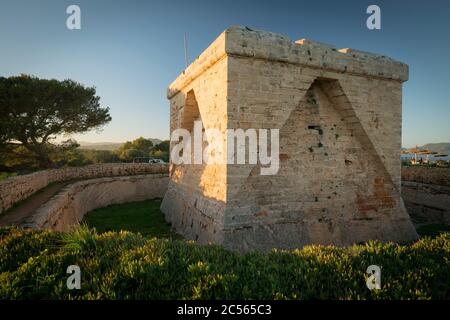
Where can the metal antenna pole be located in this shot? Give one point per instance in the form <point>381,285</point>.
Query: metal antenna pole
<point>185,51</point>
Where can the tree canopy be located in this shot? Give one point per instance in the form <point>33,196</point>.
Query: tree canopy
<point>34,111</point>
<point>139,147</point>
<point>142,147</point>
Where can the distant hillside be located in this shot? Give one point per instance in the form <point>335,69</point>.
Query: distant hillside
<point>111,146</point>
<point>443,147</point>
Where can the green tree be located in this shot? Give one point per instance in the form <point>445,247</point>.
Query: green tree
<point>139,147</point>
<point>158,154</point>
<point>161,150</point>
<point>67,153</point>
<point>163,146</point>
<point>130,154</point>
<point>100,156</point>
<point>145,145</point>
<point>34,111</point>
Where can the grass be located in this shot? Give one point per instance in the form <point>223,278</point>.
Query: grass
<point>141,264</point>
<point>127,265</point>
<point>142,217</point>
<point>80,239</point>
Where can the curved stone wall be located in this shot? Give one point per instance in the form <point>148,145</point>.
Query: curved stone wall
<point>68,207</point>
<point>15,189</point>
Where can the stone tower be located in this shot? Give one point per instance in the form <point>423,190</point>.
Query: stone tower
<point>339,115</point>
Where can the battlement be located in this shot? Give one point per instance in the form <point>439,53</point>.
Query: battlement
<point>241,41</point>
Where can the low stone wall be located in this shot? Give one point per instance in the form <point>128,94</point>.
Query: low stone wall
<point>68,207</point>
<point>15,189</point>
<point>426,194</point>
<point>427,203</point>
<point>428,175</point>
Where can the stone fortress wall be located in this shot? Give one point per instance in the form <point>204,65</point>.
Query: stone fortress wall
<point>195,201</point>
<point>16,189</point>
<point>339,114</point>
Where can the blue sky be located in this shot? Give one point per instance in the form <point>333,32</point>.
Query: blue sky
<point>132,50</point>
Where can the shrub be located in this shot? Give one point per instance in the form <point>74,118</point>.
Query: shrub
<point>125,265</point>
<point>80,240</point>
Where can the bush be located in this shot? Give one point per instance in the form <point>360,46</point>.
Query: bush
<point>125,265</point>
<point>5,175</point>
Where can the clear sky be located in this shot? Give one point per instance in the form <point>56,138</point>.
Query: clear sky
<point>131,50</point>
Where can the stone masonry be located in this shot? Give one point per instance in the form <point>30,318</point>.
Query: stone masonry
<point>16,189</point>
<point>66,209</point>
<point>339,115</point>
<point>426,193</point>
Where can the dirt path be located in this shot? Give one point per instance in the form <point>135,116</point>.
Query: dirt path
<point>24,209</point>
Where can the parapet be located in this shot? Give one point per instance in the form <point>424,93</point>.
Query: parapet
<point>238,41</point>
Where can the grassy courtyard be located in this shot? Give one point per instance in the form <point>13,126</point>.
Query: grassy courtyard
<point>142,217</point>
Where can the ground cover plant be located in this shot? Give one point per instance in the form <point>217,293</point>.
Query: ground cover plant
<point>126,265</point>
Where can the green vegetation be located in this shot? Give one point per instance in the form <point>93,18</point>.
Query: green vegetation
<point>129,266</point>
<point>143,217</point>
<point>4,175</point>
<point>35,111</point>
<point>70,154</point>
<point>161,151</point>
<point>142,147</point>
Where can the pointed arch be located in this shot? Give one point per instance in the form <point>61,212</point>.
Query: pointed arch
<point>191,111</point>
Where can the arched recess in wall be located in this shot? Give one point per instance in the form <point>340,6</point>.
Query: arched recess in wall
<point>191,112</point>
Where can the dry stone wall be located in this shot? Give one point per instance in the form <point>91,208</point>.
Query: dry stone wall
<point>428,175</point>
<point>426,193</point>
<point>15,189</point>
